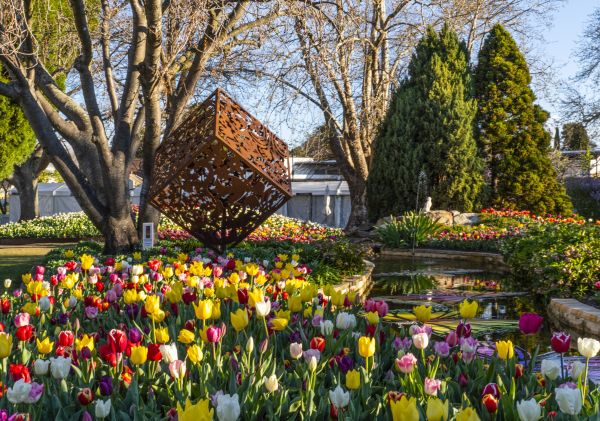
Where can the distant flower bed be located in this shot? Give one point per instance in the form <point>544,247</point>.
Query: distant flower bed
<point>75,225</point>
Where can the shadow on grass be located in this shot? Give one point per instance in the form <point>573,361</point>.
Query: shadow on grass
<point>17,260</point>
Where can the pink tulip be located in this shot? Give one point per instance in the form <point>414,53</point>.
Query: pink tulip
<point>406,363</point>
<point>22,319</point>
<point>431,386</point>
<point>530,323</point>
<point>177,369</point>
<point>213,334</point>
<point>452,338</point>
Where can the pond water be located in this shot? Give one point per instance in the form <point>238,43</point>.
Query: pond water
<point>443,283</point>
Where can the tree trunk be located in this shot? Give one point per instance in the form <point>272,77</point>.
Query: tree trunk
<point>358,198</point>
<point>28,199</point>
<point>25,179</point>
<point>120,235</point>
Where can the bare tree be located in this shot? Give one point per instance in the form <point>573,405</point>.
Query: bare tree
<point>25,179</point>
<point>345,58</point>
<point>135,75</point>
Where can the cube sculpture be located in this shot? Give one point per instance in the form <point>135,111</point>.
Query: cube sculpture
<point>221,173</point>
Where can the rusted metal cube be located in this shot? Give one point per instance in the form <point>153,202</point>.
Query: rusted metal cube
<point>221,173</point>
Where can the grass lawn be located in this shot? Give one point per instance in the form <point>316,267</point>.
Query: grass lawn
<point>16,260</point>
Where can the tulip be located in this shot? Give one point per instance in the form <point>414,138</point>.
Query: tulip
<point>437,410</point>
<point>468,309</point>
<point>102,408</point>
<point>5,345</point>
<point>373,318</point>
<point>422,313</point>
<point>195,354</point>
<point>295,303</point>
<point>317,343</point>
<point>117,340</point>
<point>86,261</point>
<point>569,399</point>
<point>278,323</point>
<point>366,346</point>
<point>431,386</point>
<point>442,349</point>
<point>40,367</point>
<point>529,410</point>
<point>530,323</point>
<point>169,353</point>
<point>139,355</point>
<point>577,369</point>
<point>19,392</point>
<point>106,386</point>
<point>177,369</point>
<point>197,412</point>
<point>228,407</point>
<point>45,346</point>
<point>490,402</point>
<point>86,396</point>
<point>406,363</point>
<point>186,336</point>
<point>550,369</point>
<point>505,350</point>
<point>88,342</point>
<point>404,409</point>
<point>152,304</point>
<point>561,342</point>
<point>588,347</point>
<point>213,334</point>
<point>263,308</point>
<point>339,398</point>
<point>326,327</point>
<point>239,319</point>
<point>452,338</point>
<point>250,345</point>
<point>295,350</point>
<point>60,367</point>
<point>491,389</point>
<point>7,283</point>
<point>353,379</point>
<point>161,335</point>
<point>204,309</point>
<point>271,383</point>
<point>420,340</point>
<point>22,319</point>
<point>24,333</point>
<point>345,321</point>
<point>467,414</point>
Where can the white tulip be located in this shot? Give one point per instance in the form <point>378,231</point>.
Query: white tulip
<point>529,410</point>
<point>577,369</point>
<point>44,304</point>
<point>228,407</point>
<point>296,350</point>
<point>250,345</point>
<point>102,408</point>
<point>263,308</point>
<point>420,340</point>
<point>19,392</point>
<point>169,353</point>
<point>345,320</point>
<point>550,369</point>
<point>312,363</point>
<point>72,302</point>
<point>326,327</point>
<point>569,400</point>
<point>7,283</point>
<point>60,367</point>
<point>588,347</point>
<point>40,367</point>
<point>271,383</point>
<point>339,398</point>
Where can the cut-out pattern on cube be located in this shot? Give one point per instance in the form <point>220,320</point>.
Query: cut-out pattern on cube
<point>221,173</point>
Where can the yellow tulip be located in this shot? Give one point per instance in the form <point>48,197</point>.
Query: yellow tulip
<point>203,335</point>
<point>467,414</point>
<point>505,349</point>
<point>5,345</point>
<point>197,412</point>
<point>282,314</point>
<point>337,298</point>
<point>186,336</point>
<point>137,255</point>
<point>353,379</point>
<point>373,318</point>
<point>437,409</point>
<point>45,346</point>
<point>203,309</point>
<point>404,409</point>
<point>255,296</point>
<point>85,341</point>
<point>26,278</point>
<point>161,335</point>
<point>86,261</point>
<point>158,316</point>
<point>176,294</point>
<point>195,354</point>
<point>295,303</point>
<point>152,304</point>
<point>30,308</point>
<point>130,296</point>
<point>260,279</point>
<point>216,310</point>
<point>252,269</point>
<point>366,346</point>
<point>139,354</point>
<point>167,272</point>
<point>182,257</point>
<point>77,293</point>
<point>468,310</point>
<point>239,319</point>
<point>308,311</point>
<point>422,313</point>
<point>69,254</point>
<point>278,323</point>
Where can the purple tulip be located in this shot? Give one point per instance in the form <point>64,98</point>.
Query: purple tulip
<point>345,364</point>
<point>530,323</point>
<point>106,386</point>
<point>135,335</point>
<point>132,310</point>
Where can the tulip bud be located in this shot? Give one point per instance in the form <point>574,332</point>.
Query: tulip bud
<point>271,383</point>
<point>7,283</point>
<point>250,345</point>
<point>264,345</point>
<point>312,363</point>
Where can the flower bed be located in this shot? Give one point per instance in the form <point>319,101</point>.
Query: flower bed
<point>201,336</point>
<point>74,225</point>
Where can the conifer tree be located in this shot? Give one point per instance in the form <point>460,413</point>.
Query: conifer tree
<point>510,131</point>
<point>557,139</point>
<point>429,128</point>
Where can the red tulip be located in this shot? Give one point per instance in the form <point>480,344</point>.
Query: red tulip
<point>86,396</point>
<point>18,372</point>
<point>519,370</point>
<point>117,340</point>
<point>317,343</point>
<point>561,342</point>
<point>154,353</point>
<point>490,403</point>
<point>5,303</point>
<point>108,354</point>
<point>66,338</point>
<point>24,333</point>
<point>242,294</point>
<point>530,323</point>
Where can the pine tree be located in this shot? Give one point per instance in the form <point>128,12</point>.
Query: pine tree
<point>510,131</point>
<point>429,128</point>
<point>557,139</point>
<point>575,137</point>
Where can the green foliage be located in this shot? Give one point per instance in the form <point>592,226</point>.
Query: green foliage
<point>412,228</point>
<point>74,225</point>
<point>429,127</point>
<point>575,137</point>
<point>555,259</point>
<point>510,131</point>
<point>585,195</point>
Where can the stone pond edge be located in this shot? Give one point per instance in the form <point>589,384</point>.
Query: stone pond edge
<point>574,316</point>
<point>472,256</point>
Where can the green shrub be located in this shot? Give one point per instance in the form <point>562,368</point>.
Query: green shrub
<point>411,229</point>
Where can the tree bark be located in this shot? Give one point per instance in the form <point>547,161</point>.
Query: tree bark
<point>25,179</point>
<point>120,235</point>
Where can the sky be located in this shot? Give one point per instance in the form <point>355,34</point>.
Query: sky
<point>561,43</point>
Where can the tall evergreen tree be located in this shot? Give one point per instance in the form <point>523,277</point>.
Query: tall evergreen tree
<point>510,130</point>
<point>575,137</point>
<point>429,128</point>
<point>557,139</point>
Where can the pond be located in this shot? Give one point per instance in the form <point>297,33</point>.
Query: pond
<point>405,282</point>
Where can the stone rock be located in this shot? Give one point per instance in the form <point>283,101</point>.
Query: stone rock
<point>455,213</point>
<point>466,219</point>
<point>383,221</point>
<point>442,216</point>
